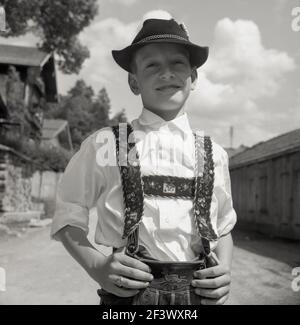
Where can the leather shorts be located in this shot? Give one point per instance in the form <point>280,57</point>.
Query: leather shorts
<point>171,285</point>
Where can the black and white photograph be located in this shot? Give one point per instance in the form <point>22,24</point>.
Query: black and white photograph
<point>150,154</point>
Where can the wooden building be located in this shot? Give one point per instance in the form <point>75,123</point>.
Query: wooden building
<point>27,83</point>
<point>265,181</point>
<point>234,151</point>
<point>56,133</point>
<point>34,67</point>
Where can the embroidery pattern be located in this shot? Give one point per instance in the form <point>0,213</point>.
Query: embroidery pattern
<point>131,180</point>
<point>204,189</point>
<point>169,186</point>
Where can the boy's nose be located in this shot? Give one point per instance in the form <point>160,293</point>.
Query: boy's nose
<point>166,74</point>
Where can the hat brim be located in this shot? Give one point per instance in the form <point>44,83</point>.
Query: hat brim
<point>198,54</point>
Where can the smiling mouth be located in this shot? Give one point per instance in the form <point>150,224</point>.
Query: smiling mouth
<point>168,87</point>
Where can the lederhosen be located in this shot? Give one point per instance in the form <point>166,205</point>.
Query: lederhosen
<point>171,284</point>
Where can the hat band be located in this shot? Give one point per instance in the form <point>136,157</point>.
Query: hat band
<point>153,37</point>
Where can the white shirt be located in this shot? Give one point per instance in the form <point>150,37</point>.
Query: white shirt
<point>167,229</point>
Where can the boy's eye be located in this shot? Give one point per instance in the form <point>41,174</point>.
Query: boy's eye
<point>150,65</point>
<point>179,62</point>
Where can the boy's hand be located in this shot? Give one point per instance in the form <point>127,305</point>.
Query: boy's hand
<point>213,284</point>
<point>123,275</point>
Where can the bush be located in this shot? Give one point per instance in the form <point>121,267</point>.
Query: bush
<point>44,158</point>
<point>49,158</point>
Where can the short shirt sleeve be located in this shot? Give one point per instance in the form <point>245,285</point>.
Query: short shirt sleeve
<point>79,189</point>
<point>226,214</point>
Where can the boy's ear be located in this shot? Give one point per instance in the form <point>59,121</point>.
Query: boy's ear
<point>194,77</point>
<point>133,84</point>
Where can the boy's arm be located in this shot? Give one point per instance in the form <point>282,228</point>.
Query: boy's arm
<point>79,189</point>
<point>224,250</point>
<point>79,247</point>
<point>213,283</point>
<point>105,270</point>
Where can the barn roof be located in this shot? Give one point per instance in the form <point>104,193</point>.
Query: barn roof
<point>21,55</point>
<point>52,127</point>
<point>234,151</point>
<point>277,146</point>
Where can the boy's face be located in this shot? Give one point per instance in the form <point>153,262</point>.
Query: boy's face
<point>163,76</point>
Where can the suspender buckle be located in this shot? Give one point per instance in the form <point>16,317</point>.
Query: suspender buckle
<point>132,249</point>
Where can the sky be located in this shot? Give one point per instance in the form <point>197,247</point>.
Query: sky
<point>251,80</point>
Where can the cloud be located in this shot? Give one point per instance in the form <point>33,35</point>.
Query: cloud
<point>239,57</point>
<point>289,117</point>
<point>238,74</point>
<point>101,38</point>
<point>280,5</point>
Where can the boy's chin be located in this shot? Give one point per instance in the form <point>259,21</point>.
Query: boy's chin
<point>166,112</point>
<point>169,106</point>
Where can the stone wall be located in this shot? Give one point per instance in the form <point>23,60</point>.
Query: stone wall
<point>43,189</point>
<point>15,181</point>
<point>24,191</point>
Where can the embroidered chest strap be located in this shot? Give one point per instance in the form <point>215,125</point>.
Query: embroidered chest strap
<point>204,184</point>
<point>128,161</point>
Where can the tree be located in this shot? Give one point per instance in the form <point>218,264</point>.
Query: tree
<point>75,108</point>
<point>81,89</point>
<point>85,112</point>
<point>56,22</point>
<point>100,110</point>
<point>120,117</point>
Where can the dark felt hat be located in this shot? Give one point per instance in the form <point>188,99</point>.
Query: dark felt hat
<point>161,31</point>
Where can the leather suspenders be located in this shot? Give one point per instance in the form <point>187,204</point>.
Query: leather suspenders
<point>135,187</point>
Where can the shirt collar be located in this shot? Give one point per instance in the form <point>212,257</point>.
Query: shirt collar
<point>154,121</point>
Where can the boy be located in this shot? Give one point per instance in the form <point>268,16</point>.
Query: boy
<point>171,209</point>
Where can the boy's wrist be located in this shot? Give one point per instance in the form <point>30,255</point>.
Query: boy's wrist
<point>224,251</point>
<point>94,266</point>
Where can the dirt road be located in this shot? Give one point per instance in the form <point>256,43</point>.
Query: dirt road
<point>39,271</point>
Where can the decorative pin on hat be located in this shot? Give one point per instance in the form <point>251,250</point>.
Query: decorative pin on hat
<point>182,25</point>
